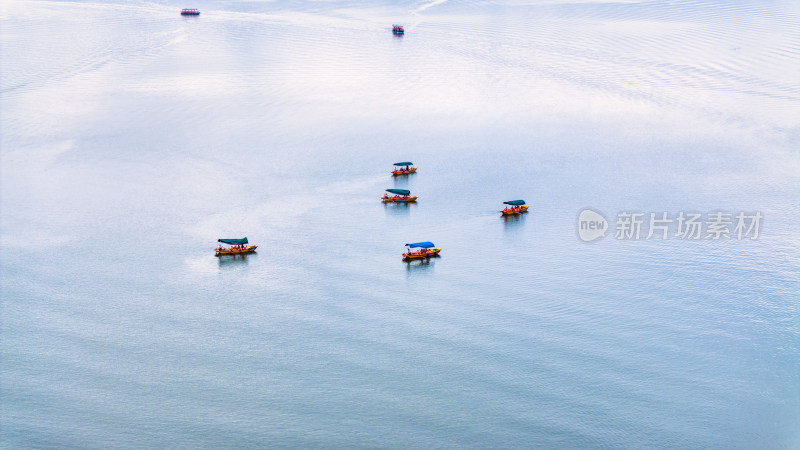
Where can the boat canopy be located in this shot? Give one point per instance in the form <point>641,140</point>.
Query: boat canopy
<point>233,241</point>
<point>425,244</point>
<point>515,202</point>
<point>405,163</point>
<point>399,191</point>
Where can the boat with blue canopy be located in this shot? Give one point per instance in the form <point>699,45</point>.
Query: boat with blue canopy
<point>514,208</point>
<point>237,247</point>
<point>426,250</point>
<point>400,196</point>
<point>398,29</point>
<point>190,12</point>
<point>403,168</point>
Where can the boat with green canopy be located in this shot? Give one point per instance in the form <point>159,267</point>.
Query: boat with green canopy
<point>403,168</point>
<point>514,208</point>
<point>426,250</point>
<point>400,196</point>
<point>237,247</point>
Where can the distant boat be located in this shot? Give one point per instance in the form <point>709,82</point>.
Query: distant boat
<point>237,247</point>
<point>517,207</point>
<point>404,168</point>
<point>401,196</point>
<point>427,250</point>
<point>398,29</point>
<point>190,12</point>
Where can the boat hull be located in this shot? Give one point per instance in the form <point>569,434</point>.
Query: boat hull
<point>415,255</point>
<point>511,212</point>
<point>398,173</point>
<point>410,199</point>
<point>229,251</point>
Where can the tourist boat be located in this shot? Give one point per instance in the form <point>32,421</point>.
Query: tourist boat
<point>398,29</point>
<point>403,168</point>
<point>426,250</point>
<point>400,196</point>
<point>190,12</point>
<point>515,207</point>
<point>237,247</point>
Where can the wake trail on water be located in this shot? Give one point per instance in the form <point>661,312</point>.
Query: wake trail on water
<point>417,12</point>
<point>57,58</point>
<point>428,5</point>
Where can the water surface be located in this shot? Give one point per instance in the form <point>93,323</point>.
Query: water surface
<point>133,138</point>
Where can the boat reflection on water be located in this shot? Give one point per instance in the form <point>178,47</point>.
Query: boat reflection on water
<point>400,182</point>
<point>231,261</point>
<point>512,223</point>
<point>422,265</point>
<point>514,219</point>
<point>397,209</point>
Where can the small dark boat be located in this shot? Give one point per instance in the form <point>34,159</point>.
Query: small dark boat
<point>428,250</point>
<point>517,207</point>
<point>237,247</point>
<point>398,29</point>
<point>404,168</point>
<point>401,196</point>
<point>190,12</point>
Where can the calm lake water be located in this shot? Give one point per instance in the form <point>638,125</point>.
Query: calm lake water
<point>132,138</point>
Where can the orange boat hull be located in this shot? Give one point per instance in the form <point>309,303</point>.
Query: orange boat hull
<point>230,251</point>
<point>515,212</point>
<point>404,172</point>
<point>417,255</point>
<point>410,199</point>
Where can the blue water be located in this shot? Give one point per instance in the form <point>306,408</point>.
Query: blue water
<point>132,138</point>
